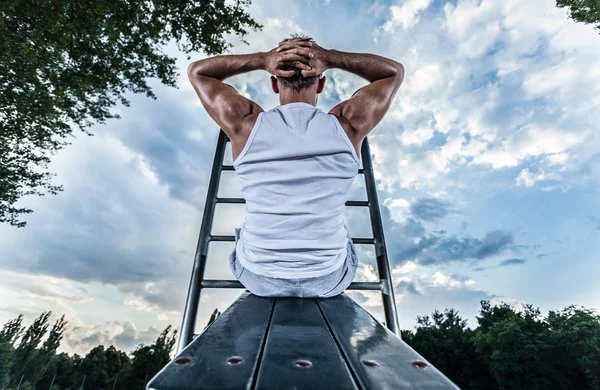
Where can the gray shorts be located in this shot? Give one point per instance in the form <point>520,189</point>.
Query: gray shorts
<point>324,286</point>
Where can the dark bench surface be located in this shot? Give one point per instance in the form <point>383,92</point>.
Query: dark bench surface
<point>298,343</point>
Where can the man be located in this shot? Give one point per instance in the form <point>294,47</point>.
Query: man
<point>296,163</point>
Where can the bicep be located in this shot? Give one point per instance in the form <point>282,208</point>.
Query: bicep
<point>223,103</point>
<point>367,107</point>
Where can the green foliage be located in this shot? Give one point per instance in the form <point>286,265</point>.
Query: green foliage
<point>583,11</point>
<point>148,360</point>
<point>66,63</point>
<point>25,355</point>
<point>448,343</point>
<point>513,349</point>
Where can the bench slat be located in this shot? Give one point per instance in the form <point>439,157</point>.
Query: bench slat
<point>298,333</point>
<point>378,358</point>
<point>239,332</point>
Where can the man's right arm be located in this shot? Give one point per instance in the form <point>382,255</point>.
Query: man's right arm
<point>367,106</point>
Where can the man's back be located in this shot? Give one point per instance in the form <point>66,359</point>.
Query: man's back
<point>296,162</point>
<point>296,170</point>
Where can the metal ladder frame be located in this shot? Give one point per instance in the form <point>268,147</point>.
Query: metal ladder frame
<point>197,281</point>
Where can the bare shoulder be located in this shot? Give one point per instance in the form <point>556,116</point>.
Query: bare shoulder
<point>350,131</point>
<point>240,137</point>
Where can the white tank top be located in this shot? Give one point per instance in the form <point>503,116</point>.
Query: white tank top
<point>296,171</point>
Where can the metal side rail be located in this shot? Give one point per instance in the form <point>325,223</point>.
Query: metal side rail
<point>197,282</point>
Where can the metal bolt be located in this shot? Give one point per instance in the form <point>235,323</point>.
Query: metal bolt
<point>234,360</point>
<point>370,363</point>
<point>420,364</point>
<point>303,363</point>
<point>182,361</point>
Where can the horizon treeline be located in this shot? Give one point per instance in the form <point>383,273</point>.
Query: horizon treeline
<point>29,363</point>
<point>509,348</point>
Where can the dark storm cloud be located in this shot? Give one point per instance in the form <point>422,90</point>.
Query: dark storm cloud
<point>405,286</point>
<point>512,262</point>
<point>413,228</point>
<point>178,143</point>
<point>111,232</point>
<point>162,294</point>
<point>492,243</point>
<point>430,209</point>
<point>410,240</point>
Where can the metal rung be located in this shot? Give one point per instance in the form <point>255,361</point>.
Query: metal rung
<point>215,283</point>
<point>376,286</point>
<point>364,203</point>
<point>222,238</point>
<point>361,171</point>
<point>218,238</point>
<point>363,240</point>
<point>219,283</point>
<point>231,200</point>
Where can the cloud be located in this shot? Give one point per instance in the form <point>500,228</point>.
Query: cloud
<point>404,287</point>
<point>124,335</point>
<point>430,209</point>
<point>405,15</point>
<point>512,262</point>
<point>408,240</point>
<point>502,91</point>
<point>528,179</point>
<point>451,280</point>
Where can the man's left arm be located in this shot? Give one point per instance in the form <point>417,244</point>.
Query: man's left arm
<point>223,103</point>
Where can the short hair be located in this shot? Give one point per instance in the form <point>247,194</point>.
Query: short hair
<point>297,82</point>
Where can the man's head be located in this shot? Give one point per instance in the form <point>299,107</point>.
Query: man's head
<point>298,87</point>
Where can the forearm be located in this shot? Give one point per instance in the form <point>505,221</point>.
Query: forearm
<point>224,66</point>
<point>369,66</point>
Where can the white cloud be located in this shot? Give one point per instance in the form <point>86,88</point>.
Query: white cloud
<point>416,137</point>
<point>532,141</point>
<point>451,281</point>
<point>558,159</point>
<point>405,15</point>
<point>473,25</point>
<point>398,208</point>
<point>528,179</point>
<point>513,106</point>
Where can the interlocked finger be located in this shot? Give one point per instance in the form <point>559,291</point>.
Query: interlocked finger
<point>296,60</point>
<point>291,44</point>
<point>303,51</point>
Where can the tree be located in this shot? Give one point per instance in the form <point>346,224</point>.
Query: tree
<point>65,64</point>
<point>446,342</point>
<point>12,330</point>
<point>26,350</point>
<point>575,340</point>
<point>583,11</point>
<point>8,336</point>
<point>516,349</point>
<point>149,359</point>
<point>43,356</point>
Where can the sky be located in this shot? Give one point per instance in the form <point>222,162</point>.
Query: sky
<point>487,168</point>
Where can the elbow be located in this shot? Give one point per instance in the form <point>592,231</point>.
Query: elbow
<point>399,72</point>
<point>400,69</point>
<point>193,68</point>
